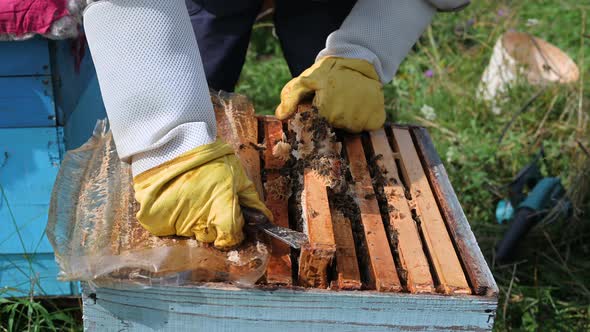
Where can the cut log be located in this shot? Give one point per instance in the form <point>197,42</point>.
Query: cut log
<point>440,247</point>
<point>383,273</point>
<point>411,254</point>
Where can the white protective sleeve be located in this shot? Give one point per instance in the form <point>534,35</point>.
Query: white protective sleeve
<point>151,79</point>
<point>384,31</point>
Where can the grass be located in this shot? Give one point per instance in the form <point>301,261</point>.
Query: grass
<point>29,314</point>
<point>548,288</point>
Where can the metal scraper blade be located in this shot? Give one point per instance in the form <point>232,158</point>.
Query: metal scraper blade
<point>257,219</point>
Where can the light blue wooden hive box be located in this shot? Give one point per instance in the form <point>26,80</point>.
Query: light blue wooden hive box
<point>34,110</point>
<point>465,302</point>
<point>125,306</point>
<point>223,307</point>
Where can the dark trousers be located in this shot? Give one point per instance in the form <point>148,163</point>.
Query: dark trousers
<point>223,29</point>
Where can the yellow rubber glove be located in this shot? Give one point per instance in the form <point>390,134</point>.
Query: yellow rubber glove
<point>348,93</point>
<point>198,194</point>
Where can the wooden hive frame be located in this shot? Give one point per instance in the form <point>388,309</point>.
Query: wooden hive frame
<point>406,261</point>
<point>424,235</point>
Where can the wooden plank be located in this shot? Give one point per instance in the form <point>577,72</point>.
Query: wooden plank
<point>475,264</point>
<point>218,308</point>
<point>25,58</point>
<point>278,271</point>
<point>347,269</point>
<point>317,223</point>
<point>26,102</point>
<point>29,162</point>
<point>277,191</point>
<point>411,254</point>
<point>237,126</point>
<point>382,267</point>
<point>442,252</point>
<point>36,272</point>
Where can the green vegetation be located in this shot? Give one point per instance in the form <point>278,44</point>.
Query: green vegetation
<point>548,289</point>
<point>28,314</point>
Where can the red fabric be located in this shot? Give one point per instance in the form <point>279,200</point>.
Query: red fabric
<point>24,16</point>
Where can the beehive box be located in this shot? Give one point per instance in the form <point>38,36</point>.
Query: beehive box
<point>389,245</point>
<point>31,147</point>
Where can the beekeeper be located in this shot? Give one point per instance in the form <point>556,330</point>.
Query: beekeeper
<point>153,81</point>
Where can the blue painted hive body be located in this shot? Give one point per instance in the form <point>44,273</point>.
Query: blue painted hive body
<point>141,301</point>
<point>40,92</point>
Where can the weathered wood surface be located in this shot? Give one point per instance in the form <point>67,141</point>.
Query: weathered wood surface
<point>221,308</point>
<point>279,265</point>
<point>347,269</point>
<point>237,125</point>
<point>276,191</point>
<point>440,247</point>
<point>411,254</point>
<point>383,273</point>
<point>317,224</point>
<point>475,264</point>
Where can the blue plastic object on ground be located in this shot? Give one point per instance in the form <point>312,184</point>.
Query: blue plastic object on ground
<point>504,211</point>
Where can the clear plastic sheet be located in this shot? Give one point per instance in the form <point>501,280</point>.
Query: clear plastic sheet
<point>95,234</point>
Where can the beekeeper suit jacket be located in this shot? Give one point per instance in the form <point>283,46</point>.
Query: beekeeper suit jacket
<point>152,81</point>
<point>156,96</point>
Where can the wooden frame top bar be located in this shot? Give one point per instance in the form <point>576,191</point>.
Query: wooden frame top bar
<point>383,272</point>
<point>411,253</point>
<point>440,246</point>
<point>475,264</point>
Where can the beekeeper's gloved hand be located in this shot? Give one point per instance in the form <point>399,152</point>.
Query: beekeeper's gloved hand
<point>198,194</point>
<point>348,93</point>
<point>160,113</point>
<point>364,53</point>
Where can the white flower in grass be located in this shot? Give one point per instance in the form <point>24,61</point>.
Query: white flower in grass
<point>428,112</point>
<point>451,152</point>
